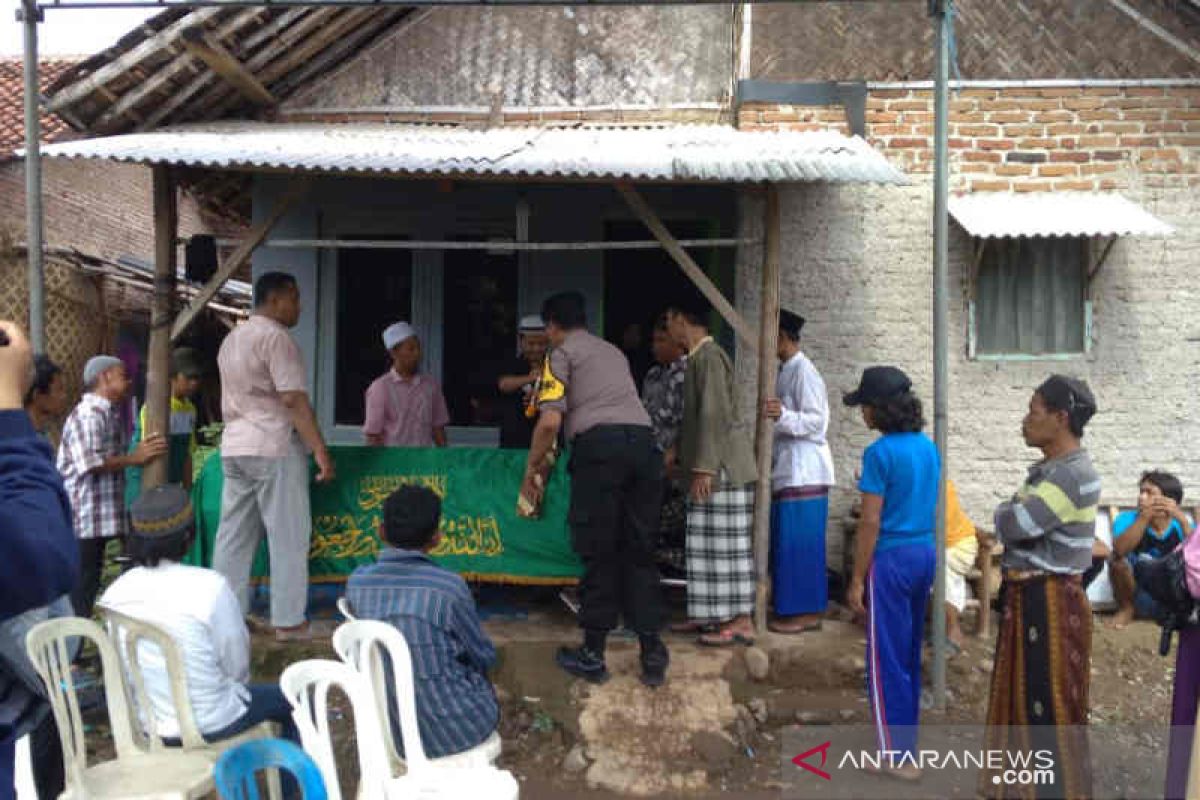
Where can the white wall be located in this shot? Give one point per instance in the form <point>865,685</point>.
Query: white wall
<point>857,265</point>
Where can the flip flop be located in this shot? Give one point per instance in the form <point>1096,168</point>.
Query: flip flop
<point>693,627</point>
<point>725,638</point>
<point>806,627</point>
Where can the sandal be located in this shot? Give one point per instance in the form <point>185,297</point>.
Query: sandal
<point>804,627</point>
<point>726,637</point>
<point>693,627</point>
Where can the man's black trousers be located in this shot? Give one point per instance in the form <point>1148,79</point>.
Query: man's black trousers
<point>616,493</point>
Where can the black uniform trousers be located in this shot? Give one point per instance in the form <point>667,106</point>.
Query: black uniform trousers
<point>616,492</point>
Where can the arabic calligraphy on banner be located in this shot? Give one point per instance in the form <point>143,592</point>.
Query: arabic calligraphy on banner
<point>482,536</point>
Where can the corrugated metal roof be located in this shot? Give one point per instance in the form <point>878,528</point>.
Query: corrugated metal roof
<point>668,153</point>
<point>994,214</point>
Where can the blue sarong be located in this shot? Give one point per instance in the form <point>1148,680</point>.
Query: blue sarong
<point>798,518</point>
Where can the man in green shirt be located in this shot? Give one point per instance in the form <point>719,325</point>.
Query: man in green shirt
<point>186,373</point>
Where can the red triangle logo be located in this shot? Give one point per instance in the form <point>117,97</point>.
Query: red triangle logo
<point>802,760</point>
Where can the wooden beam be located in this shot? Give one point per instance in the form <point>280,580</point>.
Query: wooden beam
<point>238,257</point>
<point>180,97</point>
<point>162,81</point>
<point>646,214</point>
<point>296,56</point>
<point>221,61</point>
<point>1095,268</point>
<point>115,68</point>
<point>764,431</point>
<point>158,361</point>
<point>285,41</point>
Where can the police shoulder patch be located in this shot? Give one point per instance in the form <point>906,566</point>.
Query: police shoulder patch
<point>550,388</point>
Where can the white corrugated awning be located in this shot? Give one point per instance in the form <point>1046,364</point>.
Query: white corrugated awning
<point>997,214</point>
<point>683,153</point>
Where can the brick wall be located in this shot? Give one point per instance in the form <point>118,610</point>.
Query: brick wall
<point>857,264</point>
<point>1027,139</point>
<point>100,207</point>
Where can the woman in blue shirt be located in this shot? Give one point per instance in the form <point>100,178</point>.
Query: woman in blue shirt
<point>894,557</point>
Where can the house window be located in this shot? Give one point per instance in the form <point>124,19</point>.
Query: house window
<point>374,289</point>
<point>1030,297</point>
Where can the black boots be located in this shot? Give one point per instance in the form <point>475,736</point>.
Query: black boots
<point>587,661</point>
<point>583,662</point>
<point>654,660</point>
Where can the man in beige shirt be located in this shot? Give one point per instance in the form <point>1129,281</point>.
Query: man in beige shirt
<point>270,428</point>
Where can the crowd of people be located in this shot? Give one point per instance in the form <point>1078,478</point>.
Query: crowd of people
<point>662,476</point>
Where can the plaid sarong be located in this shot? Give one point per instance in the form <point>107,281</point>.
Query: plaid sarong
<point>720,558</point>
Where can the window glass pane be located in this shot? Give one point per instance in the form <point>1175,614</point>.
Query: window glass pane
<point>1029,297</point>
<point>374,289</point>
<point>479,333</point>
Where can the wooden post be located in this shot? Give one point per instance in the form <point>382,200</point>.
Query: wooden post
<point>685,262</point>
<point>254,237</point>
<point>158,363</point>
<point>764,434</point>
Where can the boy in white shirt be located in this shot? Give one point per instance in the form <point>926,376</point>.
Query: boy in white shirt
<point>197,607</point>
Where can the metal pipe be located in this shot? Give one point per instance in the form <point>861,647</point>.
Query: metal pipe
<point>1042,83</point>
<point>191,4</point>
<point>943,19</point>
<point>35,258</point>
<point>506,246</point>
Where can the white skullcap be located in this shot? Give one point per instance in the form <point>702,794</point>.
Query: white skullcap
<point>97,365</point>
<point>396,333</point>
<point>531,322</point>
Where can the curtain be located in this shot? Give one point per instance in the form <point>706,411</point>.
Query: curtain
<point>1030,296</point>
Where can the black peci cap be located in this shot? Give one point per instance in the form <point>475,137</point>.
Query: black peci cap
<point>790,323</point>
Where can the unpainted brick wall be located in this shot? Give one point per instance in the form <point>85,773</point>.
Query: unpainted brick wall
<point>1027,139</point>
<point>102,208</point>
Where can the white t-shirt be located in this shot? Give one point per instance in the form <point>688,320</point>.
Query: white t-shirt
<point>202,614</point>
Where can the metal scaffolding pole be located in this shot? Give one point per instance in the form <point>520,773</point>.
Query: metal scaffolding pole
<point>941,11</point>
<point>30,15</point>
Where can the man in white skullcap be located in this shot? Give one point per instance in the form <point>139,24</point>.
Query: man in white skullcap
<point>516,381</point>
<point>92,459</point>
<point>405,408</point>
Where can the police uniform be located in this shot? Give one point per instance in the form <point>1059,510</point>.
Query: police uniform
<point>616,483</point>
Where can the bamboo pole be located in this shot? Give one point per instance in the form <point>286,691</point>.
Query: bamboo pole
<point>764,436</point>
<point>158,363</point>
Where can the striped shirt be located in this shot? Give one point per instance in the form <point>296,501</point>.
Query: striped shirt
<point>91,435</point>
<point>434,609</point>
<point>1051,522</point>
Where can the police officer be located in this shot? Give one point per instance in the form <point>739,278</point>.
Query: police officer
<point>616,488</point>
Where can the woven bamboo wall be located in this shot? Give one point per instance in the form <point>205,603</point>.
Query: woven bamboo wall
<point>78,326</point>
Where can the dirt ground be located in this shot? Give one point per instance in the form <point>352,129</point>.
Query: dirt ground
<point>815,679</point>
<point>714,730</point>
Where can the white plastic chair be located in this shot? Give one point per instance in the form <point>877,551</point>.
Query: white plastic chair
<point>306,684</point>
<point>361,644</point>
<point>136,771</point>
<point>128,636</point>
<point>343,607</point>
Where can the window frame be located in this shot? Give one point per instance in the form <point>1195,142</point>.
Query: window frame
<point>1088,268</point>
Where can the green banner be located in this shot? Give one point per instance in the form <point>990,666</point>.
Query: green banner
<point>482,536</point>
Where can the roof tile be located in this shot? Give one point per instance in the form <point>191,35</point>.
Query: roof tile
<point>12,102</point>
